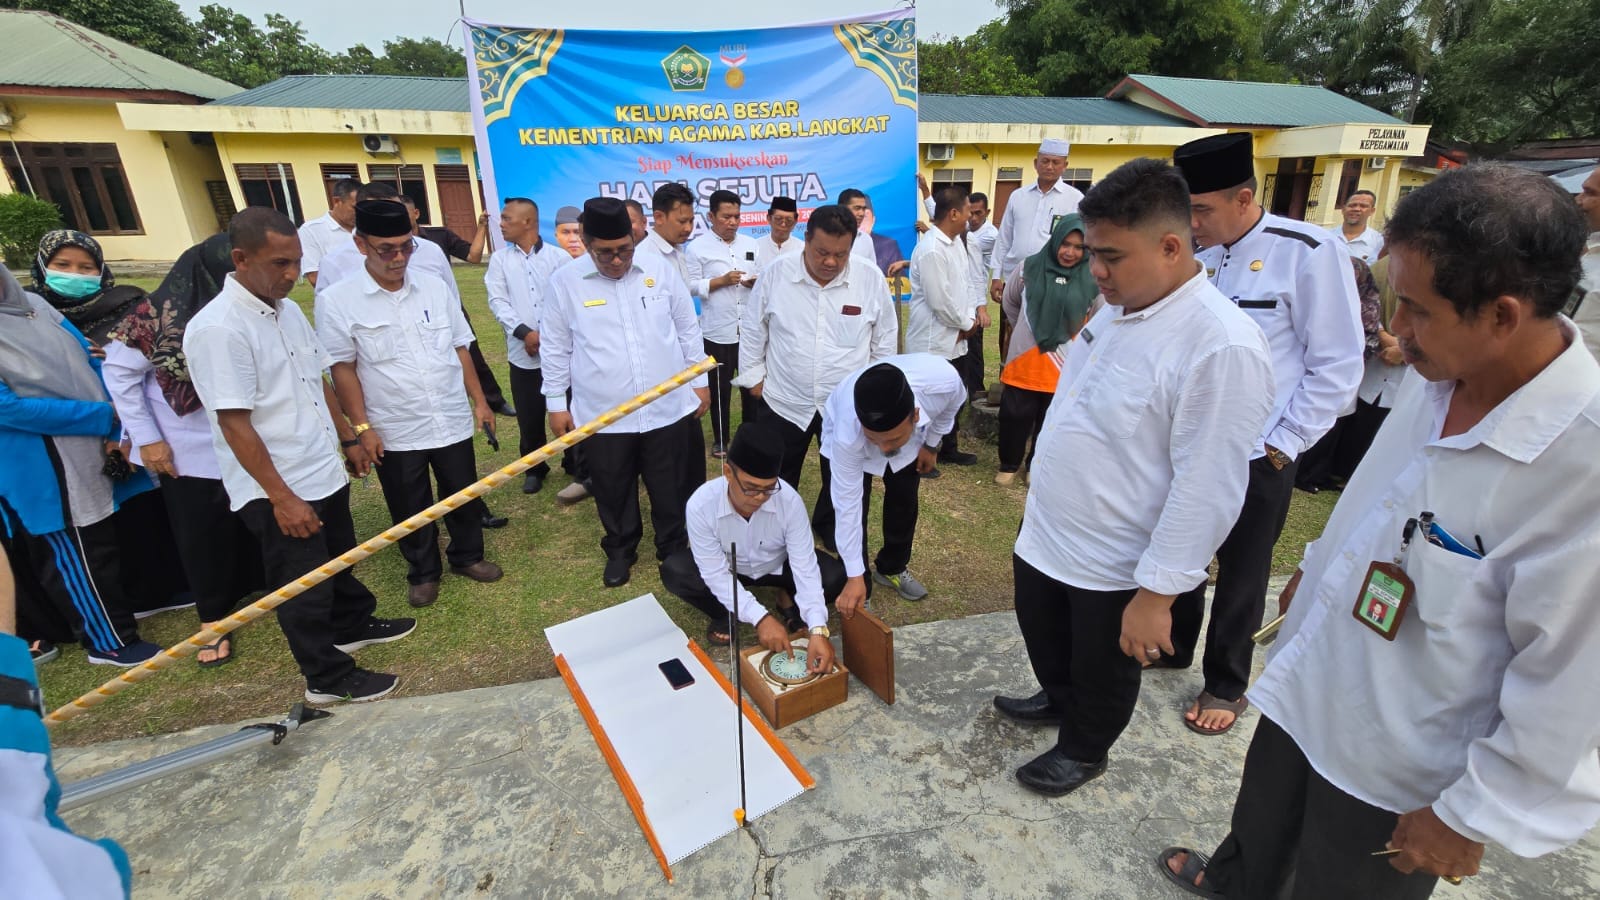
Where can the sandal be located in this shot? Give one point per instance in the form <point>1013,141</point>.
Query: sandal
<point>1193,868</point>
<point>716,637</point>
<point>216,647</point>
<point>42,652</point>
<point>1207,702</point>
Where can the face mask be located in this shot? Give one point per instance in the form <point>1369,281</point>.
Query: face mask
<point>71,284</point>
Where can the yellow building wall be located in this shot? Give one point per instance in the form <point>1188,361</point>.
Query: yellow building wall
<point>986,160</point>
<point>307,153</point>
<point>163,193</point>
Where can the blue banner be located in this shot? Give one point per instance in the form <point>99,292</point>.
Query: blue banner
<point>803,112</point>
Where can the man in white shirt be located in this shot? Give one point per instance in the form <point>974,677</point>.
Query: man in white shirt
<point>615,324</point>
<point>751,508</point>
<point>1467,718</point>
<point>329,231</point>
<point>942,315</point>
<point>398,343</point>
<point>1031,213</point>
<point>886,420</point>
<point>1139,471</point>
<point>277,428</point>
<point>1357,239</point>
<point>672,212</point>
<point>779,240</point>
<point>1295,281</point>
<point>815,317</point>
<point>515,282</point>
<point>1588,312</point>
<point>722,266</point>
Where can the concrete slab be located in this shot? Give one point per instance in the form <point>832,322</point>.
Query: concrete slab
<point>501,792</point>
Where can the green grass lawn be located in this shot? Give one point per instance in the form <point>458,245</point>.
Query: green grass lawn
<point>479,635</point>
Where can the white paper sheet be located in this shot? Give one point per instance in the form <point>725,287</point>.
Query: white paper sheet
<point>676,745</point>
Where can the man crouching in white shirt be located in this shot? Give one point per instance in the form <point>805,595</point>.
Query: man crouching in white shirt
<point>751,508</point>
<point>1431,689</point>
<point>1139,473</point>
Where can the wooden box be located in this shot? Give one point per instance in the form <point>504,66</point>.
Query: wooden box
<point>785,704</point>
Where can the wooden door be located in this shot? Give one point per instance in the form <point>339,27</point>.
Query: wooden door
<point>997,203</point>
<point>457,211</point>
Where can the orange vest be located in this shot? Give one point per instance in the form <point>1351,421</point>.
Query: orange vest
<point>1033,370</point>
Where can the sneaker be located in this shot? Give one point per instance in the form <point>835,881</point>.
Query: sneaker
<point>126,657</point>
<point>377,631</point>
<point>572,493</point>
<point>907,586</point>
<point>357,687</point>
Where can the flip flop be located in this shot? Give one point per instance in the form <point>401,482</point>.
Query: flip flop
<point>216,647</point>
<point>1184,878</point>
<point>1208,701</point>
<point>717,638</point>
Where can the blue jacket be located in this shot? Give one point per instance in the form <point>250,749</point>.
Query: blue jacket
<point>28,480</point>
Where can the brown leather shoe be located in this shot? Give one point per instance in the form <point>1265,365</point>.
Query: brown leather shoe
<point>423,594</point>
<point>482,570</point>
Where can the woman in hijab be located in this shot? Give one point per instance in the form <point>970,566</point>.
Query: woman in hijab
<point>56,500</point>
<point>1048,298</point>
<point>71,274</point>
<point>169,434</point>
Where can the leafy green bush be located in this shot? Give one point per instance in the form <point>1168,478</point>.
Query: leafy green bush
<point>23,221</point>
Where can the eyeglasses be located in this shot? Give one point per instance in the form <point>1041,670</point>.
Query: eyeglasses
<point>603,254</point>
<point>756,491</point>
<point>406,249</point>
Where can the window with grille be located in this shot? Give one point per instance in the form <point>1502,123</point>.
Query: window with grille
<point>85,181</point>
<point>333,173</point>
<point>272,185</point>
<point>408,180</point>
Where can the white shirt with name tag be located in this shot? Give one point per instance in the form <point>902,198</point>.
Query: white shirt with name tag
<point>1144,455</point>
<point>1029,217</point>
<point>403,344</point>
<point>778,532</point>
<point>244,354</point>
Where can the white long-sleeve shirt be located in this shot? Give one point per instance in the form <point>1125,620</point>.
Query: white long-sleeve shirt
<point>654,246</point>
<point>1030,214</point>
<point>937,394</point>
<point>1296,282</point>
<point>778,532</point>
<point>403,344</point>
<point>147,417</point>
<point>515,282</point>
<point>346,261</point>
<point>802,338</point>
<point>721,309</point>
<point>980,244</point>
<point>1482,707</point>
<point>768,252</point>
<point>1144,455</point>
<point>611,340</point>
<point>942,301</point>
<point>318,238</point>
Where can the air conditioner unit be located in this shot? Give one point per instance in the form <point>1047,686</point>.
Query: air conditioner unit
<point>1377,162</point>
<point>941,152</point>
<point>379,143</point>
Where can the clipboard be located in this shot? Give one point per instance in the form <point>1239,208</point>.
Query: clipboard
<point>869,652</point>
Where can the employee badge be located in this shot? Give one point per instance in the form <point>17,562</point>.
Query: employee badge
<point>1387,591</point>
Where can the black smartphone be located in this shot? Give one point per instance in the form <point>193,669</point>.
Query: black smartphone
<point>677,675</point>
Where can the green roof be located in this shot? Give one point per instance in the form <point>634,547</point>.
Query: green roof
<point>1038,110</point>
<point>1216,103</point>
<point>357,92</point>
<point>47,51</point>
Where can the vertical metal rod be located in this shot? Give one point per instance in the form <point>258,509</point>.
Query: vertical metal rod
<point>738,685</point>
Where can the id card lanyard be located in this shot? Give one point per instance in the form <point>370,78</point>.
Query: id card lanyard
<point>1387,592</point>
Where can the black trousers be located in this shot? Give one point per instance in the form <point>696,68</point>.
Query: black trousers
<point>333,611</point>
<point>951,443</point>
<point>971,365</point>
<point>220,556</point>
<point>1244,562</point>
<point>527,395</point>
<point>670,459</point>
<point>681,576</point>
<point>69,584</point>
<point>721,383</point>
<point>486,380</point>
<point>796,443</point>
<point>1072,637</point>
<point>1021,418</point>
<point>407,491</point>
<point>1316,469</point>
<point>1359,430</point>
<point>1289,823</point>
<point>149,566</point>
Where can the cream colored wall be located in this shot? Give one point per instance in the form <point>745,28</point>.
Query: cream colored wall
<point>1100,160</point>
<point>306,153</point>
<point>163,191</point>
<point>192,166</point>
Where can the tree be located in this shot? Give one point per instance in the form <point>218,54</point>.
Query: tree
<point>231,47</point>
<point>155,25</point>
<point>1084,47</point>
<point>424,56</point>
<point>971,65</point>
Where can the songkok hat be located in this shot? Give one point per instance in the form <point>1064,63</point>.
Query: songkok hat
<point>784,204</point>
<point>605,219</point>
<point>567,215</point>
<point>1054,146</point>
<point>883,397</point>
<point>757,450</point>
<point>382,219</point>
<point>1216,163</point>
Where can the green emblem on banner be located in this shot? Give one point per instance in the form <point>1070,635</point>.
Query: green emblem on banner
<point>686,70</point>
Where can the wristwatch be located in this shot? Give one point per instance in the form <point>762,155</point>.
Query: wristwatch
<point>363,428</point>
<point>21,694</point>
<point>821,631</point>
<point>1278,458</point>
